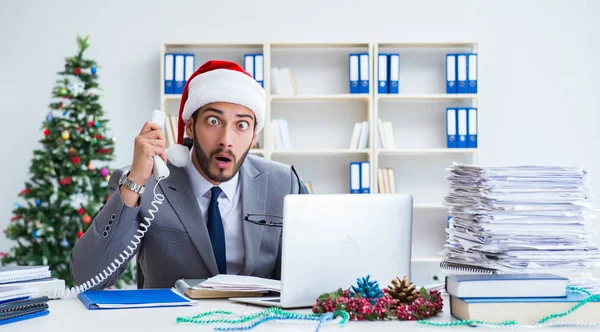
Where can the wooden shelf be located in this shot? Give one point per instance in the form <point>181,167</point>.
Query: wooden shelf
<point>361,96</point>
<point>279,45</point>
<point>429,206</point>
<point>392,152</point>
<point>432,259</point>
<point>439,96</point>
<point>320,152</point>
<point>417,44</point>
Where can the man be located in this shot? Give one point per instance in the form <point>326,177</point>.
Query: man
<point>199,230</point>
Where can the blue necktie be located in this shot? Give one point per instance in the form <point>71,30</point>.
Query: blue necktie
<point>215,230</point>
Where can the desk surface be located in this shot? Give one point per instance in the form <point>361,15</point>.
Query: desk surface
<point>70,315</point>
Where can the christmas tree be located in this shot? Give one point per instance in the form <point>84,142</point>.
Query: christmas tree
<point>69,174</point>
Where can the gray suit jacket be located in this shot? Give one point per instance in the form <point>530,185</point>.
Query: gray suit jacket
<point>177,244</point>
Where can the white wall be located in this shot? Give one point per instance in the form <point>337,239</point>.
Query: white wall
<point>540,77</point>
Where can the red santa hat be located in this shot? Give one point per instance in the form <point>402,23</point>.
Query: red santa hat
<point>216,81</point>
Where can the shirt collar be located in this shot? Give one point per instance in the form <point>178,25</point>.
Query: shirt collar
<point>201,186</point>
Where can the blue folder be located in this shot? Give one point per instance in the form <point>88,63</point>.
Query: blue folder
<point>136,298</point>
<point>24,317</point>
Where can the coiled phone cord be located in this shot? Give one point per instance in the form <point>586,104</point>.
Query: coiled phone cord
<point>123,257</point>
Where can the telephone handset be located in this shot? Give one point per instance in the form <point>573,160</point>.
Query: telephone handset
<point>160,172</point>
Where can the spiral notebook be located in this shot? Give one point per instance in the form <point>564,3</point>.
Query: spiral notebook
<point>10,274</point>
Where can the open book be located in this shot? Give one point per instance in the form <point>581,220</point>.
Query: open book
<point>226,286</point>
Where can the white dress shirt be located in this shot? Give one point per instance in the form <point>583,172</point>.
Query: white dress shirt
<point>230,206</point>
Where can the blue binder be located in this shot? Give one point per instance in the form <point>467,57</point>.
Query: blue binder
<point>461,73</point>
<point>259,69</point>
<point>353,72</point>
<point>450,73</point>
<point>365,177</point>
<point>169,73</point>
<point>135,298</point>
<point>461,128</point>
<point>179,73</point>
<point>382,73</point>
<point>394,73</point>
<point>24,317</point>
<point>451,126</point>
<point>355,168</point>
<point>364,70</point>
<point>472,130</point>
<point>472,73</point>
<point>190,67</point>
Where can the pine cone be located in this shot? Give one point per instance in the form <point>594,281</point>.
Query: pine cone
<point>403,290</point>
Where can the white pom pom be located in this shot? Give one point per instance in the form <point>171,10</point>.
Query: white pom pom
<point>178,155</point>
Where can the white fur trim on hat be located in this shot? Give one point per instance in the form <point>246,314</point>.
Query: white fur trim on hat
<point>223,85</point>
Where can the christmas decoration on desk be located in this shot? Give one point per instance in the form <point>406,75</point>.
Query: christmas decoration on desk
<point>60,180</point>
<point>241,322</point>
<point>403,290</point>
<point>367,289</point>
<point>363,302</point>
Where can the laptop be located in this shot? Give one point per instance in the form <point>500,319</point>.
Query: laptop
<point>329,241</point>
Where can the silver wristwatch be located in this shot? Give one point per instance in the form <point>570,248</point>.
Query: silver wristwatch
<point>125,181</point>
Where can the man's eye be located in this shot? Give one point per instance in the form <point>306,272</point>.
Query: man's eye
<point>243,125</point>
<point>212,120</point>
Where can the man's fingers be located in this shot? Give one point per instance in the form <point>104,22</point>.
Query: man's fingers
<point>148,127</point>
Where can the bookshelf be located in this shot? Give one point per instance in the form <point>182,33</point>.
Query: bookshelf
<point>321,114</point>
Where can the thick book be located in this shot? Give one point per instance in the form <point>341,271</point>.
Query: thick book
<point>136,298</point>
<point>525,310</point>
<point>506,285</point>
<point>192,289</point>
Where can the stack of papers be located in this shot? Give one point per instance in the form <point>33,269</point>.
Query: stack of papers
<point>529,219</point>
<point>226,282</point>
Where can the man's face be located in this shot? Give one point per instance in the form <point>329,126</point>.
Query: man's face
<point>223,133</point>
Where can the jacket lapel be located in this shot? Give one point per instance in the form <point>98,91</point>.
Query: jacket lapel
<point>254,200</point>
<point>179,193</point>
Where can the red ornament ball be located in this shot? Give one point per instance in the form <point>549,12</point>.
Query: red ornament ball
<point>77,71</point>
<point>79,234</point>
<point>80,211</point>
<point>75,160</point>
<point>46,132</point>
<point>86,219</point>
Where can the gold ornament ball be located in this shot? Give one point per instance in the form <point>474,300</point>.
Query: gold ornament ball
<point>86,219</point>
<point>106,178</point>
<point>65,135</point>
<point>90,167</point>
<point>72,152</point>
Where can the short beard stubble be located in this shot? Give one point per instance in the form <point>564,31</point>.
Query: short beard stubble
<point>204,162</point>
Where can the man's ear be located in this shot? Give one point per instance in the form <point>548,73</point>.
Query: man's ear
<point>189,128</point>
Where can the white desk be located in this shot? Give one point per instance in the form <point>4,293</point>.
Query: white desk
<point>70,315</point>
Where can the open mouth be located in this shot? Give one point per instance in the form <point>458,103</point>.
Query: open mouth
<point>223,159</point>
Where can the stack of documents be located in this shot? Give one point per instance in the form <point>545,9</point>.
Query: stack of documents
<point>238,283</point>
<point>525,219</point>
